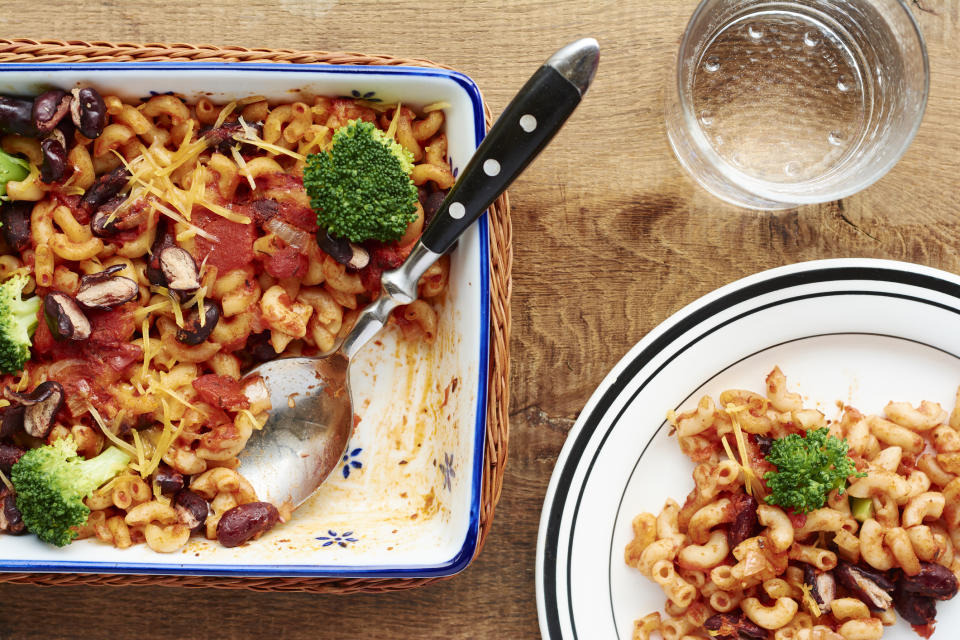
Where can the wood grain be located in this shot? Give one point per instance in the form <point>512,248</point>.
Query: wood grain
<point>610,238</point>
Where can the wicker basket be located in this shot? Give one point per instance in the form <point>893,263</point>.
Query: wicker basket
<point>24,50</point>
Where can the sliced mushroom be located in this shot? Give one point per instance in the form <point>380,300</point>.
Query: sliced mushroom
<point>179,270</point>
<point>192,333</point>
<point>872,587</point>
<point>343,251</point>
<point>103,291</point>
<point>65,317</point>
<point>42,405</point>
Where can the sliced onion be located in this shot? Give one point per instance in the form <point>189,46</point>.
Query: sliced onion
<point>288,233</point>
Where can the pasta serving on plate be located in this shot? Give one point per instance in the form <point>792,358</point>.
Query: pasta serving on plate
<point>160,247</point>
<point>804,528</point>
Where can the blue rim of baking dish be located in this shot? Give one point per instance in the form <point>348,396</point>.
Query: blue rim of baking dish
<point>464,556</point>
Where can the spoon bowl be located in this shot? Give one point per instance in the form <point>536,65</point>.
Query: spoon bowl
<point>312,418</point>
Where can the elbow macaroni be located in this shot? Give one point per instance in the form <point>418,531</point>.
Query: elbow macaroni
<point>134,382</point>
<point>911,455</point>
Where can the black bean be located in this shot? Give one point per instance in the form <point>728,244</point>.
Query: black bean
<point>104,290</point>
<point>872,587</point>
<point>164,238</point>
<point>245,521</point>
<point>15,216</point>
<point>11,421</point>
<point>431,203</point>
<point>179,270</point>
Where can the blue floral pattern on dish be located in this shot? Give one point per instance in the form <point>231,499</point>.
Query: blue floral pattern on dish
<point>350,461</point>
<point>343,539</point>
<point>446,468</point>
<point>369,96</point>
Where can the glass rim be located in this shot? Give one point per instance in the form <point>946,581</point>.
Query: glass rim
<point>775,197</point>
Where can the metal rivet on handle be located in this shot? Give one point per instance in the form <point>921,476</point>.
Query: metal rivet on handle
<point>457,210</point>
<point>491,167</point>
<point>528,123</point>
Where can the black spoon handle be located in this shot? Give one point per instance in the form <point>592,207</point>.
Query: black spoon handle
<point>524,128</point>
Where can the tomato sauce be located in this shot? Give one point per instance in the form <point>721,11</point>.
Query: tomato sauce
<point>234,246</point>
<point>221,391</point>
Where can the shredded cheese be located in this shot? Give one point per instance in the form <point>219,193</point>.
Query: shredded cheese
<point>6,481</point>
<point>752,482</point>
<point>249,136</point>
<point>177,310</point>
<point>253,419</point>
<point>141,458</point>
<point>110,435</point>
<point>436,106</point>
<point>810,601</point>
<point>145,332</point>
<point>392,129</point>
<point>224,114</point>
<point>242,164</point>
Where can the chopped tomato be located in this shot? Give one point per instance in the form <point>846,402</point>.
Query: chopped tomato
<point>111,327</point>
<point>382,257</point>
<point>234,246</point>
<point>797,519</point>
<point>221,391</point>
<point>286,263</point>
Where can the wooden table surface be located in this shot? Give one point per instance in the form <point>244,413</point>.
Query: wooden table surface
<point>610,237</point>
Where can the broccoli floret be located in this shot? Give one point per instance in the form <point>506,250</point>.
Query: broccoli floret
<point>18,320</point>
<point>12,169</point>
<point>808,468</point>
<point>361,188</point>
<point>51,483</point>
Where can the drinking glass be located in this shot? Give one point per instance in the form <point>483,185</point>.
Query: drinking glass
<point>778,104</point>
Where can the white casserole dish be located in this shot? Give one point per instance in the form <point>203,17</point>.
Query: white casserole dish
<point>405,502</point>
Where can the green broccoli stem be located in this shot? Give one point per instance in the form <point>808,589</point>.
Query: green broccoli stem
<point>104,467</point>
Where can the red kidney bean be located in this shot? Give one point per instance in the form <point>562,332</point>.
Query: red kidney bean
<point>168,480</point>
<point>15,216</point>
<point>9,454</point>
<point>164,238</point>
<point>431,203</point>
<point>49,108</point>
<point>933,581</point>
<point>54,166</point>
<point>16,116</point>
<point>913,608</point>
<point>192,510</point>
<point>10,519</point>
<point>745,524</point>
<point>89,112</point>
<point>245,521</point>
<point>872,587</point>
<point>733,626</point>
<point>103,189</point>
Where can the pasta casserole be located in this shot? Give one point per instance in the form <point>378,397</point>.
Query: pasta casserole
<point>166,246</point>
<point>804,528</point>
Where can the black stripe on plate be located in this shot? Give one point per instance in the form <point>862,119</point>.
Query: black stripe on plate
<point>680,327</point>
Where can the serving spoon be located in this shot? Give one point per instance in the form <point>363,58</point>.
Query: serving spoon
<point>311,422</point>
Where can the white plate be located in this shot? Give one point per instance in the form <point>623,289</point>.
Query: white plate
<point>859,331</point>
<point>405,501</point>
